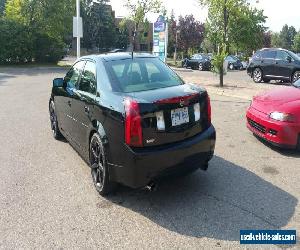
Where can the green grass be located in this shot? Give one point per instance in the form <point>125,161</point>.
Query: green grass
<point>170,62</point>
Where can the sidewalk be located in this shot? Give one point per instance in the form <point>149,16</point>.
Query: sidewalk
<point>236,83</point>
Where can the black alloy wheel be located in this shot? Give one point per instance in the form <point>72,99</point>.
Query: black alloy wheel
<point>99,167</point>
<point>296,76</point>
<point>200,67</point>
<point>257,75</point>
<point>53,122</point>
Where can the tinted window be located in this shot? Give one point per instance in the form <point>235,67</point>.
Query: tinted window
<point>72,76</point>
<point>281,55</point>
<point>88,81</point>
<point>269,54</point>
<point>140,74</point>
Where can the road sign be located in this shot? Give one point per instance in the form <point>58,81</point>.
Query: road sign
<point>75,31</point>
<point>160,38</point>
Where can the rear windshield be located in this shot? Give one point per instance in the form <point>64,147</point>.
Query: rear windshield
<point>140,74</point>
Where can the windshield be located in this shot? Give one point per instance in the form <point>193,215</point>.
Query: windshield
<point>297,84</point>
<point>140,74</point>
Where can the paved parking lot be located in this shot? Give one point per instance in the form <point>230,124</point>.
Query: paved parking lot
<point>47,199</point>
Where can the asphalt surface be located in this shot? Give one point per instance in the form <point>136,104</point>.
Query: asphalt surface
<point>47,199</point>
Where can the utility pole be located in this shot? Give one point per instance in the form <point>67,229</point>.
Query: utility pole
<point>176,41</point>
<point>78,26</point>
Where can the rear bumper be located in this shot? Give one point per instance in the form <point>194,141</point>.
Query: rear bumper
<point>148,164</point>
<point>278,133</point>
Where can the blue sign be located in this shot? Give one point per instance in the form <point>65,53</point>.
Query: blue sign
<point>160,38</point>
<point>286,237</point>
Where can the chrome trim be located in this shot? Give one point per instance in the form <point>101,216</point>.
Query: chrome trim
<point>277,76</point>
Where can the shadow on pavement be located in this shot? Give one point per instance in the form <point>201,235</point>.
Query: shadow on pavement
<point>214,204</point>
<point>283,151</point>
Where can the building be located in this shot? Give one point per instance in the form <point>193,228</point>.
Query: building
<point>145,40</point>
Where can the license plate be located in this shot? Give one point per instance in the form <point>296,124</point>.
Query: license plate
<point>180,116</point>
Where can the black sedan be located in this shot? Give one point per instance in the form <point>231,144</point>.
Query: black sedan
<point>197,61</point>
<point>132,119</point>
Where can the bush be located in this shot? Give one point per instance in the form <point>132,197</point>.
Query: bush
<point>19,45</point>
<point>16,43</point>
<point>48,49</point>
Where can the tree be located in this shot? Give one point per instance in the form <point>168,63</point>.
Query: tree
<point>287,35</point>
<point>191,33</point>
<point>98,24</point>
<point>48,24</point>
<point>296,45</point>
<point>233,22</point>
<point>276,41</point>
<point>138,11</point>
<point>267,39</point>
<point>2,7</point>
<point>172,29</point>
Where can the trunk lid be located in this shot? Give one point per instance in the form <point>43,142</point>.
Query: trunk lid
<point>176,106</point>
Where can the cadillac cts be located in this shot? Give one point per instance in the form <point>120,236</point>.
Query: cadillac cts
<point>132,119</point>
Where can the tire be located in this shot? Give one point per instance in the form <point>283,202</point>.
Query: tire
<point>296,76</point>
<point>53,122</point>
<point>99,167</point>
<point>298,144</point>
<point>257,75</point>
<point>200,67</point>
<point>231,67</point>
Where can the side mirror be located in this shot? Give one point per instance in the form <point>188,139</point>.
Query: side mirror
<point>58,82</point>
<point>289,59</point>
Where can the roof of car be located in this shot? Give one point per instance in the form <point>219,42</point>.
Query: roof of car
<point>118,56</point>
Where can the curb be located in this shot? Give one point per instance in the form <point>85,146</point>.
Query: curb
<point>223,93</point>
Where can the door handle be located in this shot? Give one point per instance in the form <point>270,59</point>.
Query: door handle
<point>86,110</point>
<point>69,103</point>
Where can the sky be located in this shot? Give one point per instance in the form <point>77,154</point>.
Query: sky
<point>279,12</point>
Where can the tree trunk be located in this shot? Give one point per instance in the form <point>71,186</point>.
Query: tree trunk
<point>221,77</point>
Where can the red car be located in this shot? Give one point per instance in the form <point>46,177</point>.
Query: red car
<point>275,116</point>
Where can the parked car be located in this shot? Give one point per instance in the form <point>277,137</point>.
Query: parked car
<point>132,119</point>
<point>197,61</point>
<point>116,50</point>
<point>275,116</point>
<point>234,63</point>
<point>274,64</point>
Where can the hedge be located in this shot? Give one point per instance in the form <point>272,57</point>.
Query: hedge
<point>20,44</point>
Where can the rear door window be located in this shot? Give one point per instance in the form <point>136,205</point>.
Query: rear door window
<point>269,54</point>
<point>282,55</point>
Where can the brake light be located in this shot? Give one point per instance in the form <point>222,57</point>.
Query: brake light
<point>208,110</point>
<point>133,127</point>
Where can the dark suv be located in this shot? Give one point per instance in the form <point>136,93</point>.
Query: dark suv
<point>274,64</point>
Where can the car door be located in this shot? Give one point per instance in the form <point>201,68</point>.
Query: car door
<point>84,102</point>
<point>267,63</point>
<point>64,101</point>
<point>283,66</point>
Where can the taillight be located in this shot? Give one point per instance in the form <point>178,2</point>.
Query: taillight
<point>133,127</point>
<point>208,110</point>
